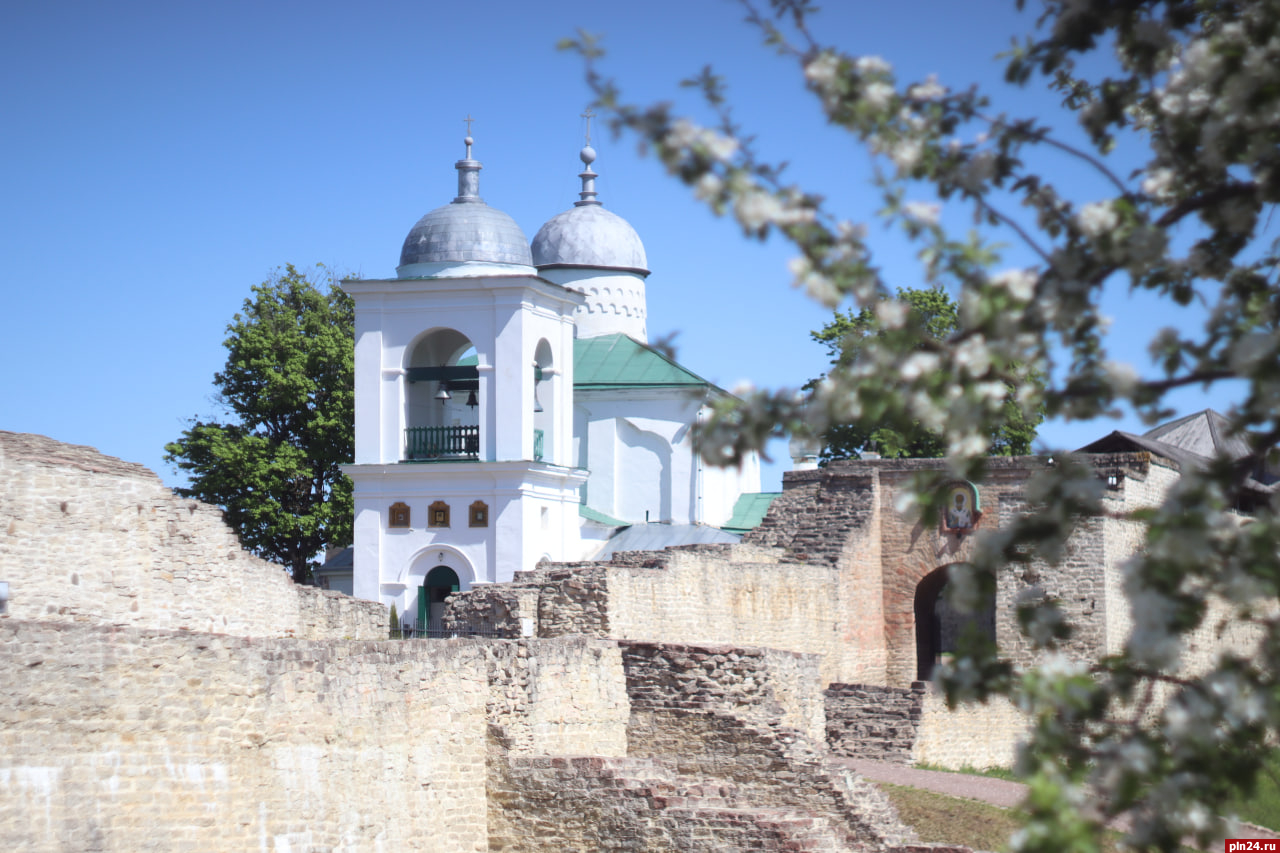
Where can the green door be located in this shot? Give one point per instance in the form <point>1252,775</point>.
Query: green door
<point>436,587</point>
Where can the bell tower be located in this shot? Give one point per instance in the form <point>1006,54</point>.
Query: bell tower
<point>464,403</point>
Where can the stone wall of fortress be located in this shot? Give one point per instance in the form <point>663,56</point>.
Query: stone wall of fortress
<point>88,538</point>
<point>162,690</point>
<point>834,571</point>
<point>115,738</point>
<point>132,739</point>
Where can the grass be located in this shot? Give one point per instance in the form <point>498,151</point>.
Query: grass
<point>937,818</point>
<point>991,772</point>
<point>1261,808</point>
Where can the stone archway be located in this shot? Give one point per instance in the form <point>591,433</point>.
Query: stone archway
<point>939,625</point>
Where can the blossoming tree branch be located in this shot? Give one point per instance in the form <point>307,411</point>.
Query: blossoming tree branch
<point>1198,85</point>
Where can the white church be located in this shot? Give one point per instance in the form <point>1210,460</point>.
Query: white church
<point>509,410</point>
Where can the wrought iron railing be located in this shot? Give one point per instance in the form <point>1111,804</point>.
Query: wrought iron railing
<point>537,445</point>
<point>436,630</point>
<point>424,444</point>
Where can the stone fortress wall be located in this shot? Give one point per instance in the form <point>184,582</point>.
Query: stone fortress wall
<point>834,572</point>
<point>91,539</point>
<point>161,690</point>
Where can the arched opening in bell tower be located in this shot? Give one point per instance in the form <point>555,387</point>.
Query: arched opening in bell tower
<point>545,387</point>
<point>442,399</point>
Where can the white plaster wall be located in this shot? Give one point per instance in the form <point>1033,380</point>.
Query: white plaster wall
<point>615,301</point>
<point>719,488</point>
<point>639,450</point>
<point>387,561</point>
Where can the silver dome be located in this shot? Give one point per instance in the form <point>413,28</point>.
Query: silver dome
<point>467,230</point>
<point>589,236</point>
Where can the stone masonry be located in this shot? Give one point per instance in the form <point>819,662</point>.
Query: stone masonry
<point>162,690</point>
<point>88,538</point>
<point>837,571</point>
<point>865,721</point>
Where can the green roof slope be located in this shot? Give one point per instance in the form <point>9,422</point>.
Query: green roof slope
<point>617,361</point>
<point>749,511</point>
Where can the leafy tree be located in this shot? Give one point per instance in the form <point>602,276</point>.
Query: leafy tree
<point>288,387</point>
<point>1194,85</point>
<point>931,316</point>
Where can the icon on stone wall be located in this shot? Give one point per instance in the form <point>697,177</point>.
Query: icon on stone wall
<point>962,509</point>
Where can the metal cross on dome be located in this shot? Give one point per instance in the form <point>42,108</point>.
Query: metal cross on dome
<point>588,115</point>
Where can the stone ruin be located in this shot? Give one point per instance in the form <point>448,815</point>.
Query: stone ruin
<point>164,690</point>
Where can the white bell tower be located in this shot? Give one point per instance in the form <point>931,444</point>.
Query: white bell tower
<point>464,410</point>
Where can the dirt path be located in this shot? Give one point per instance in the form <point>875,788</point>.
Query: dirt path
<point>997,792</point>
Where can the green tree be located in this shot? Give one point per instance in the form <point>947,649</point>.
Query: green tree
<point>288,387</point>
<point>1192,89</point>
<point>931,317</point>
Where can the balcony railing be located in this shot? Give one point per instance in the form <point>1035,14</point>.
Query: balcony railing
<point>431,444</point>
<point>537,445</point>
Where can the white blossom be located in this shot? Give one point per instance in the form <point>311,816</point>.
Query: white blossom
<point>1021,284</point>
<point>756,208</point>
<point>1152,641</point>
<point>872,65</point>
<point>685,136</point>
<point>1252,350</point>
<point>929,90</point>
<point>708,186</point>
<point>1122,378</point>
<point>1159,184</point>
<point>891,313</point>
<point>1098,218</point>
<point>906,154</point>
<point>919,364</point>
<point>925,213</point>
<point>974,172</point>
<point>878,94</point>
<point>823,71</point>
<point>972,356</point>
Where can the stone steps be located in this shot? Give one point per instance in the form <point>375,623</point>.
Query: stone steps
<point>644,804</point>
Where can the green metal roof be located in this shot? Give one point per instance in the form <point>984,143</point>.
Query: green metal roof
<point>749,511</point>
<point>617,361</point>
<point>599,517</point>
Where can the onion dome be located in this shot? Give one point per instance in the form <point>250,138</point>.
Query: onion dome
<point>587,235</point>
<point>465,231</point>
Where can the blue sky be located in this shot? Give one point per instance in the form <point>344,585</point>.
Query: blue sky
<point>158,159</point>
